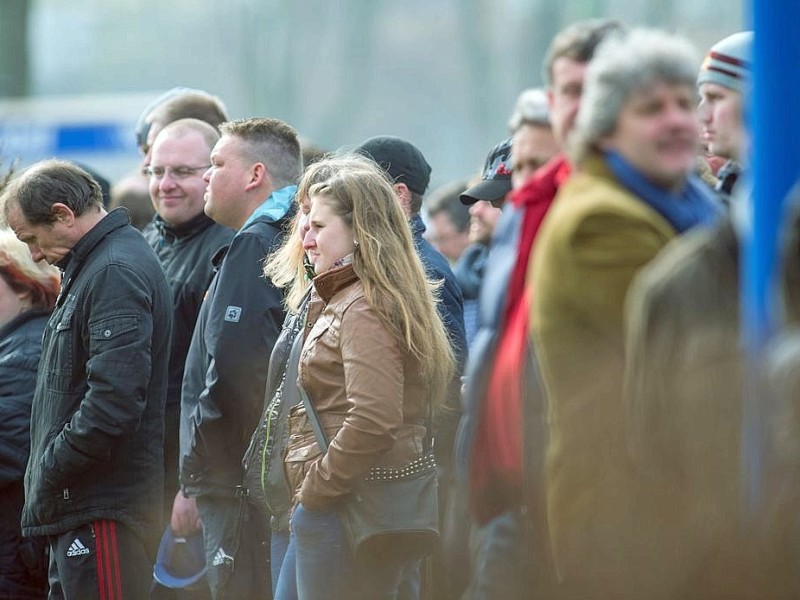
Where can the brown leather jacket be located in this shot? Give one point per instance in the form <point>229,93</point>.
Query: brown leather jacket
<point>366,388</point>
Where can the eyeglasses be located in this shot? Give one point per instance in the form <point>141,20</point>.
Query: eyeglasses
<point>176,172</point>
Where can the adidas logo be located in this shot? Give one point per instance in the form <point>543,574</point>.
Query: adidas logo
<point>220,558</point>
<point>77,548</point>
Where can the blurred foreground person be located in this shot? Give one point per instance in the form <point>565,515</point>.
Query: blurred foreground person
<point>95,477</point>
<point>28,292</point>
<point>634,147</point>
<point>376,362</point>
<point>502,432</point>
<point>686,382</point>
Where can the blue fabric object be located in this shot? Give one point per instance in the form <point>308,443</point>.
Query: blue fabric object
<point>282,563</point>
<point>694,205</point>
<point>276,206</point>
<point>451,307</point>
<point>181,562</point>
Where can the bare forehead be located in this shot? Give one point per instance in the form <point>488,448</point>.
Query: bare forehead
<point>17,221</point>
<point>180,140</point>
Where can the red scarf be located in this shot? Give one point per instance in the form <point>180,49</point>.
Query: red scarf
<point>497,472</point>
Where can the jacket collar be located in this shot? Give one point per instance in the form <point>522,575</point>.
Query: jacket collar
<point>171,233</point>
<point>329,283</point>
<point>544,183</point>
<point>114,220</point>
<point>417,226</point>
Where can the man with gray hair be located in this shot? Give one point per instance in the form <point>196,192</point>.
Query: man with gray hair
<point>634,146</point>
<point>686,379</point>
<point>255,166</point>
<point>95,476</point>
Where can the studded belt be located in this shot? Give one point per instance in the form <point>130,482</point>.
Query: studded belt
<point>421,464</point>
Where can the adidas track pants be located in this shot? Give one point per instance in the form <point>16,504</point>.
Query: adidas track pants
<point>103,560</point>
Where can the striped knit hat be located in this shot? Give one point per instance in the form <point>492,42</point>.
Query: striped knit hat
<point>728,62</point>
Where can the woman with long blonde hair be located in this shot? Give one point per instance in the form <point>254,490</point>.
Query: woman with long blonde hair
<point>375,362</point>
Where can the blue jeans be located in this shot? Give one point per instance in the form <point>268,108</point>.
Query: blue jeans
<point>284,575</point>
<point>325,569</point>
<point>502,563</point>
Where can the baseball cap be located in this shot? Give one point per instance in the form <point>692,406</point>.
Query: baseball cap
<point>401,159</point>
<point>496,179</point>
<point>181,561</point>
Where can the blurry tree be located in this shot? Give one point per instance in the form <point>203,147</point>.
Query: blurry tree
<point>14,47</point>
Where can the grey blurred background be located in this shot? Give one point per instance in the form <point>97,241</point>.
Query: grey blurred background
<point>74,74</point>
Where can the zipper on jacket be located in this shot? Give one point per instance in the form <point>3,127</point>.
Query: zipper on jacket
<point>272,410</point>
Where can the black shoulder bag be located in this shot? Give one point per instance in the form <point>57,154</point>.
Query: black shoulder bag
<point>392,514</point>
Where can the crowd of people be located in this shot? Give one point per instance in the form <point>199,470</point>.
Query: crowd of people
<point>187,411</point>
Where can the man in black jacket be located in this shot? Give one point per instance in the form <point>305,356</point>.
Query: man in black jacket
<point>94,481</point>
<point>185,239</point>
<point>251,185</point>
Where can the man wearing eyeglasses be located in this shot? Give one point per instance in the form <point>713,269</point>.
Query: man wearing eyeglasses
<point>184,240</point>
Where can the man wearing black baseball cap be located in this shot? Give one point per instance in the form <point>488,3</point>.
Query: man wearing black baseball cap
<point>410,173</point>
<point>495,181</point>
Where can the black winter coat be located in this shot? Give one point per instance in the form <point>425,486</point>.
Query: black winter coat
<point>97,421</point>
<point>185,253</point>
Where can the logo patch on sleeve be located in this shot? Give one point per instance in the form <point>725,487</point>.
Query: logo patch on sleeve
<point>233,314</point>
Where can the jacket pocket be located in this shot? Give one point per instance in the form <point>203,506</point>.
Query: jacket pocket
<point>302,451</point>
<point>113,327</point>
<point>114,341</point>
<point>59,353</point>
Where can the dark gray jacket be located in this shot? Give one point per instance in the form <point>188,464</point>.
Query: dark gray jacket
<point>265,477</point>
<point>97,421</point>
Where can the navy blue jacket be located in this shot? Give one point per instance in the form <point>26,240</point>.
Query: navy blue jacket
<point>97,421</point>
<point>22,562</point>
<point>491,305</point>
<point>451,310</point>
<point>226,368</point>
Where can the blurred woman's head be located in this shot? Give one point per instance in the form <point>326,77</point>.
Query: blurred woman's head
<point>24,285</point>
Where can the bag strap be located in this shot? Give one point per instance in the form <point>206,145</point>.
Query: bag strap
<point>322,439</point>
<point>313,418</point>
